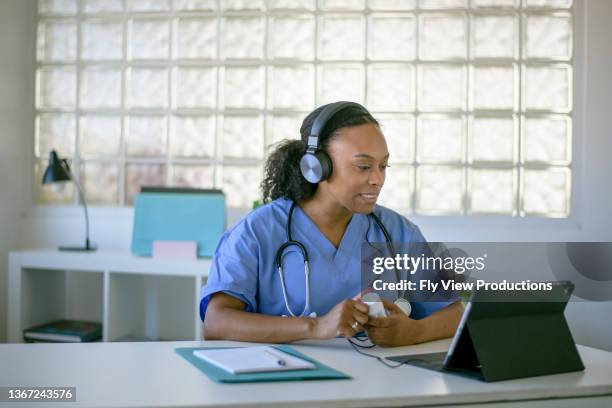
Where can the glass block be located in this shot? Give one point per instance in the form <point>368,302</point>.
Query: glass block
<point>442,4</point>
<point>342,4</point>
<point>340,83</point>
<point>341,38</point>
<point>148,5</point>
<point>146,135</point>
<point>398,188</point>
<point>392,4</point>
<point>291,4</point>
<point>100,182</point>
<point>280,127</point>
<point>192,176</point>
<point>196,38</point>
<point>100,135</point>
<point>548,87</point>
<point>241,185</point>
<point>549,3</point>
<point>195,87</point>
<point>495,87</point>
<point>496,3</point>
<point>492,191</point>
<point>439,190</point>
<point>442,36</point>
<point>56,87</point>
<point>292,37</point>
<point>195,5</point>
<point>137,175</point>
<point>243,137</point>
<point>548,36</point>
<point>547,139</point>
<point>546,192</point>
<point>494,36</point>
<point>243,4</point>
<point>55,193</point>
<point>391,87</point>
<point>242,37</point>
<point>102,6</point>
<point>193,136</point>
<point>391,37</point>
<point>57,6</point>
<point>493,139</point>
<point>102,39</point>
<point>147,88</point>
<point>55,131</point>
<point>440,139</point>
<point>244,87</point>
<point>100,88</point>
<point>442,87</point>
<point>399,134</point>
<point>291,87</point>
<point>149,39</point>
<point>57,40</point>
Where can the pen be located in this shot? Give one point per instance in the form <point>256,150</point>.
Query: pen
<point>276,358</point>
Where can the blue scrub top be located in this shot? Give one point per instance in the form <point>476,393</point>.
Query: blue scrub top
<point>243,264</point>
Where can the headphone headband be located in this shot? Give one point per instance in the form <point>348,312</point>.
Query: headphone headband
<point>315,164</point>
<point>322,118</point>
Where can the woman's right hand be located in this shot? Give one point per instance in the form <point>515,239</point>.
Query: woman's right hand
<point>340,321</point>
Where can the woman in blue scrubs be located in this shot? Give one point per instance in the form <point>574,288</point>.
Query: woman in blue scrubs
<point>243,298</point>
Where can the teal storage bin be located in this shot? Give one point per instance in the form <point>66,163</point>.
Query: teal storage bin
<point>178,215</point>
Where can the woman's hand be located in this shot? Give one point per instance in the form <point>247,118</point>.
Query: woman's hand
<point>396,329</point>
<point>340,321</point>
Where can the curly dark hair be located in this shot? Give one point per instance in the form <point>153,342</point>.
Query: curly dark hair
<point>282,176</point>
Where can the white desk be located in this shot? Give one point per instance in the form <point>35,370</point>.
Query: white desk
<point>152,374</point>
<point>128,294</point>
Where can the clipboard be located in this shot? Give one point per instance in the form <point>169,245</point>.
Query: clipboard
<point>321,371</point>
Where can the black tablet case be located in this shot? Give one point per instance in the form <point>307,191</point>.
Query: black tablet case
<point>502,340</point>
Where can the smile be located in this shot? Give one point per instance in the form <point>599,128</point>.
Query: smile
<point>369,197</point>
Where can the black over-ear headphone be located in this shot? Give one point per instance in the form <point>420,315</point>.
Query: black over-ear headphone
<point>315,164</point>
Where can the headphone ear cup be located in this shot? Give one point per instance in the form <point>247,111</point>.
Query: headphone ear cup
<point>310,168</point>
<point>326,164</point>
<point>316,167</point>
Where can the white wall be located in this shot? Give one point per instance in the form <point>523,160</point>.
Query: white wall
<point>17,38</point>
<point>111,228</point>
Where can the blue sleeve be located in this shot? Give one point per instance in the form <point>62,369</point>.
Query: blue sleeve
<point>234,268</point>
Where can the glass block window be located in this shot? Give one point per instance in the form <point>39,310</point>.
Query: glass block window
<point>474,96</point>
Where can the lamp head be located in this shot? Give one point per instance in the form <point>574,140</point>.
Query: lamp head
<point>57,170</point>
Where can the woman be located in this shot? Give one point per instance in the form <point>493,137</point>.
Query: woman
<point>246,296</point>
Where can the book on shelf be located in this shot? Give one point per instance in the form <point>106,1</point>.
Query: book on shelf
<point>64,331</point>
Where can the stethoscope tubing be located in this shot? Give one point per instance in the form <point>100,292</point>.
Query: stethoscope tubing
<point>278,259</point>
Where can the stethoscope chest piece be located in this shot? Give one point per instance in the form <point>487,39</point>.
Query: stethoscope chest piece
<point>404,306</point>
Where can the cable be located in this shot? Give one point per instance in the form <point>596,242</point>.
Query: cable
<point>380,359</point>
<point>363,338</point>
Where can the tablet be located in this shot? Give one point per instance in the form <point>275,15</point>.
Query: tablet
<point>509,334</point>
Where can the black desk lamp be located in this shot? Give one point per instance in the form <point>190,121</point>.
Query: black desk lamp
<point>58,170</point>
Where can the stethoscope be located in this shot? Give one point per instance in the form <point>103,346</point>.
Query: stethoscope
<point>290,242</point>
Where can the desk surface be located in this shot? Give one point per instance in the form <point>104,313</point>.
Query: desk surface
<point>152,374</point>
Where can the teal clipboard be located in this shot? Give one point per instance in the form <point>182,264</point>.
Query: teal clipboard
<point>321,372</point>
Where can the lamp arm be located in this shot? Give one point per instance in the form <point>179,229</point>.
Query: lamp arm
<point>82,199</point>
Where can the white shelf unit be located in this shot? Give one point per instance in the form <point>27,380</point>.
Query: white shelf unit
<point>133,296</point>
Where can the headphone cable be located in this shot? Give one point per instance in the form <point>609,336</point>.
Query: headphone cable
<point>380,359</point>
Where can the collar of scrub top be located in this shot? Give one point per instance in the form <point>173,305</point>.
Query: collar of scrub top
<point>278,259</point>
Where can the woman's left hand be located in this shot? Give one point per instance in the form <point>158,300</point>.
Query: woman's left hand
<point>396,329</point>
